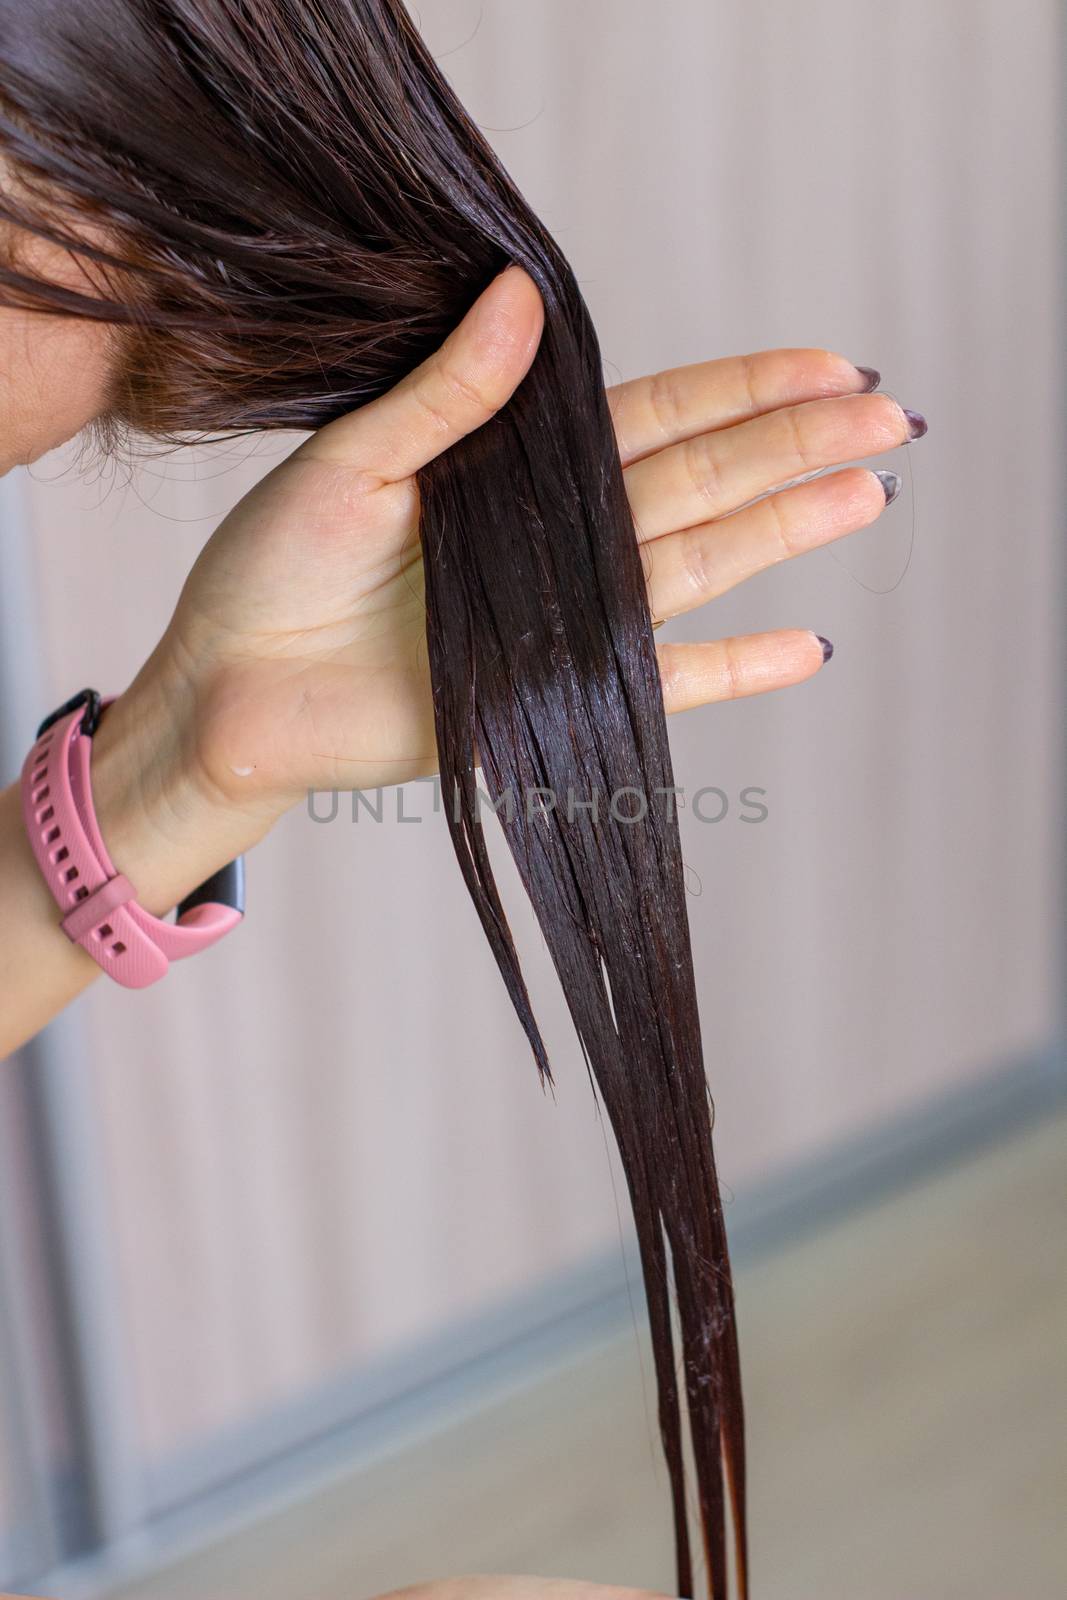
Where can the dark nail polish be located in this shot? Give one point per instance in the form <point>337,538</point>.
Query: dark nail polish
<point>917,424</point>
<point>827,648</point>
<point>873,376</point>
<point>890,482</point>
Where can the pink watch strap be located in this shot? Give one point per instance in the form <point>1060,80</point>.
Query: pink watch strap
<point>99,905</point>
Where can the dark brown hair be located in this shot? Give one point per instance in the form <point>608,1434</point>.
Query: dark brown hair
<point>297,211</point>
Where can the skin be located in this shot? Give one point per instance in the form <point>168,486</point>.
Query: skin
<point>295,657</point>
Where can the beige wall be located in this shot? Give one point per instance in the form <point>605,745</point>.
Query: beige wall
<point>326,1138</point>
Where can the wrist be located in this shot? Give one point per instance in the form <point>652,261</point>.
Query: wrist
<point>164,823</point>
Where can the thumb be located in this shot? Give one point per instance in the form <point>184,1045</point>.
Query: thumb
<point>454,391</point>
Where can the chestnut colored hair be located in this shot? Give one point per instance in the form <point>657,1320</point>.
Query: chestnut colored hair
<point>296,212</point>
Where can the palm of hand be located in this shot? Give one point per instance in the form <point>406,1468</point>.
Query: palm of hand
<point>303,622</point>
<point>301,628</point>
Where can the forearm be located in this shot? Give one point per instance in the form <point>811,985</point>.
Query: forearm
<point>165,829</point>
<point>40,970</point>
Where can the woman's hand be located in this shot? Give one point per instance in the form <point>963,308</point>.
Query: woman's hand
<point>298,644</point>
<point>296,658</point>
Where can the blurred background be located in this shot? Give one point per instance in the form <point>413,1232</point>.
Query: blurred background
<point>305,1286</point>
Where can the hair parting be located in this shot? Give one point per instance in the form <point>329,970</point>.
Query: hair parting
<point>287,209</point>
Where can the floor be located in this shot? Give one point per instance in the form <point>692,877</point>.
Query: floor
<point>905,1374</point>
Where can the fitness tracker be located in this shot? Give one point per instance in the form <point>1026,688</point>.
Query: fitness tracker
<point>99,905</point>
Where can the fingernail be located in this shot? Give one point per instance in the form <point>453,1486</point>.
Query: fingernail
<point>890,482</point>
<point>917,424</point>
<point>827,648</point>
<point>873,377</point>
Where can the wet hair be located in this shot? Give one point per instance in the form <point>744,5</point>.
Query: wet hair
<point>285,209</point>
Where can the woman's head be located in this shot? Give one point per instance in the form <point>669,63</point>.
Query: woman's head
<point>272,203</point>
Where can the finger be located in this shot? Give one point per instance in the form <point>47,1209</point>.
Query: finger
<point>727,669</point>
<point>668,407</point>
<point>688,568</point>
<point>717,473</point>
<point>457,389</point>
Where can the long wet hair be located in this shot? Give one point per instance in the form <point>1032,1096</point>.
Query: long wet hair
<point>296,212</point>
